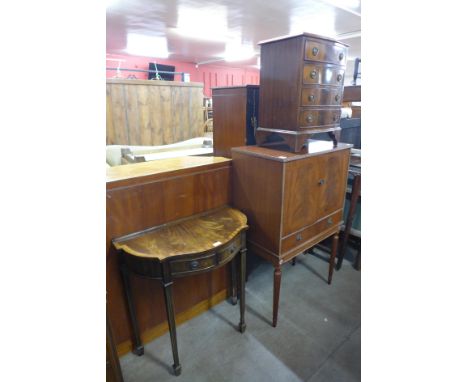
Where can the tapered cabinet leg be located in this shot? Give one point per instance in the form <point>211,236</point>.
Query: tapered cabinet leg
<point>242,261</point>
<point>233,283</point>
<point>139,350</point>
<point>276,293</point>
<point>356,191</point>
<point>332,257</point>
<point>167,284</point>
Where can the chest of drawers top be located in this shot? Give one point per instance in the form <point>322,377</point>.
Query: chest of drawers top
<point>301,81</point>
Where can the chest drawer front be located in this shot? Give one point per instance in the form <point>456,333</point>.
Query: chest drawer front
<point>321,96</point>
<point>319,117</point>
<point>308,233</point>
<point>323,75</point>
<point>323,52</point>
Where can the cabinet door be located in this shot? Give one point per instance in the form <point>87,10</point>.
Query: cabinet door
<point>314,187</point>
<point>330,184</point>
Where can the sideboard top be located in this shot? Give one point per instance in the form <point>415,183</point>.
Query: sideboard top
<point>123,81</point>
<point>124,175</point>
<point>305,34</point>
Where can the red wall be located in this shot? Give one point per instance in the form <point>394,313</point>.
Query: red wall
<point>209,75</point>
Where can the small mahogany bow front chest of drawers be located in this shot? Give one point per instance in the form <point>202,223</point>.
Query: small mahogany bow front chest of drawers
<point>301,86</point>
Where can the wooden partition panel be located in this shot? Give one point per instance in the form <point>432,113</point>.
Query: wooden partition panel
<point>152,198</point>
<point>152,113</point>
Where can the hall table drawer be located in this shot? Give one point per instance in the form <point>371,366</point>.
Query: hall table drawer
<point>323,74</point>
<point>319,117</point>
<point>301,237</point>
<point>325,52</point>
<point>321,96</point>
<point>197,264</point>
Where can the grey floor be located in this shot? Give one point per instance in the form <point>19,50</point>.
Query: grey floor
<point>318,337</point>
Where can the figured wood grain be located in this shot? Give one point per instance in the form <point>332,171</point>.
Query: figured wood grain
<point>148,200</point>
<point>192,235</point>
<point>150,113</point>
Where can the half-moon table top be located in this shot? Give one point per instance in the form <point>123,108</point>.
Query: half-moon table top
<point>195,234</point>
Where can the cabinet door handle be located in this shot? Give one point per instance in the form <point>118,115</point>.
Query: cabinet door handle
<point>321,182</point>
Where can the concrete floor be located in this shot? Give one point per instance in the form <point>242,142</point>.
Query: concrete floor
<point>318,337</point>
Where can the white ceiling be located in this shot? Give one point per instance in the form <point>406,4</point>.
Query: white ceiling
<point>204,31</point>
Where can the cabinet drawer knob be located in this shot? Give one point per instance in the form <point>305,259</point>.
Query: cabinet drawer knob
<point>337,98</point>
<point>330,221</point>
<point>339,77</point>
<point>311,97</point>
<point>194,264</point>
<point>298,237</point>
<point>315,51</point>
<point>309,118</point>
<point>313,73</point>
<point>341,56</point>
<point>321,182</point>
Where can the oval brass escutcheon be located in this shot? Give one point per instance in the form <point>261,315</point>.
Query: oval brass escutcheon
<point>315,51</point>
<point>313,73</point>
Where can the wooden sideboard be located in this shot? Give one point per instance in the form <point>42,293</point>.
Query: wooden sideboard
<point>235,114</point>
<point>144,195</point>
<point>152,113</point>
<point>292,201</point>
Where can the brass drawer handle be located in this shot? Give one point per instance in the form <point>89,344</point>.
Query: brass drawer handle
<point>298,237</point>
<point>194,264</point>
<point>339,77</point>
<point>315,51</point>
<point>330,221</point>
<point>341,56</point>
<point>337,98</point>
<point>313,73</point>
<point>311,97</point>
<point>321,182</point>
<point>309,118</point>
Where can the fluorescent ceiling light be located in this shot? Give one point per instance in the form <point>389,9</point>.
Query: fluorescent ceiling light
<point>205,23</point>
<point>148,46</point>
<point>238,52</point>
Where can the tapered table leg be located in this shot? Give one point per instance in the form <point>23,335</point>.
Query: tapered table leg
<point>242,260</point>
<point>356,191</point>
<point>139,350</point>
<point>233,283</point>
<point>276,293</point>
<point>331,266</point>
<point>167,284</point>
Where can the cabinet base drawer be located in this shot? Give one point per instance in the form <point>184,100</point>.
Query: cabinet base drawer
<point>298,238</point>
